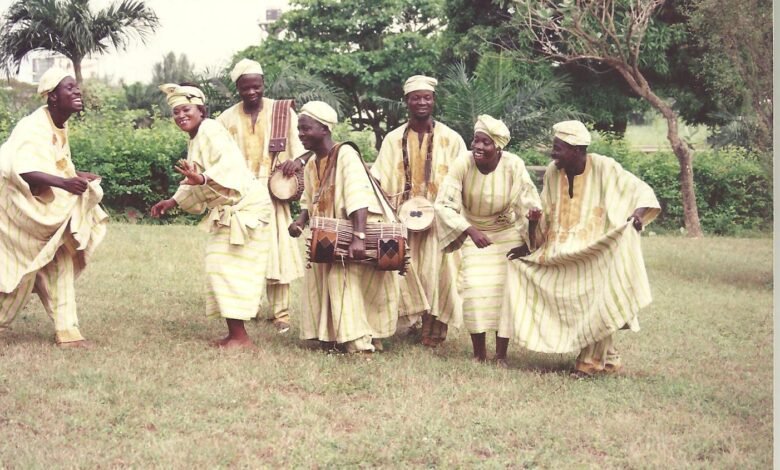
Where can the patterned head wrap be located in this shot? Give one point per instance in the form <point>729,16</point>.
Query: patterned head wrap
<point>245,67</point>
<point>178,95</point>
<point>493,128</point>
<point>320,112</point>
<point>572,132</point>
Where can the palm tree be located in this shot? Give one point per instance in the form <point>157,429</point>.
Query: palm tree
<point>528,106</point>
<point>71,28</point>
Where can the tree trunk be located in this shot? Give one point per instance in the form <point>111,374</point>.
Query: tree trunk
<point>681,150</point>
<point>77,71</point>
<point>684,157</point>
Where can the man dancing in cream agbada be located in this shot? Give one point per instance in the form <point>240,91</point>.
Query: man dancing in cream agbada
<point>251,123</point>
<point>424,150</point>
<point>587,280</point>
<point>50,221</point>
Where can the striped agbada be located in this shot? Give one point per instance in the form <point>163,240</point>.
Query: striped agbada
<point>430,284</point>
<point>588,278</point>
<point>347,303</point>
<point>285,263</point>
<point>497,204</point>
<point>239,210</point>
<point>47,235</point>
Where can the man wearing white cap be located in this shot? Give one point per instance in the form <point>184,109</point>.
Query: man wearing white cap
<point>412,162</point>
<point>348,304</point>
<point>50,220</point>
<point>251,123</point>
<point>588,279</point>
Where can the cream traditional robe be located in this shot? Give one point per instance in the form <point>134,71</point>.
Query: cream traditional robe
<point>285,262</point>
<point>347,302</point>
<point>430,284</point>
<point>497,204</point>
<point>240,208</point>
<point>588,279</point>
<point>47,235</point>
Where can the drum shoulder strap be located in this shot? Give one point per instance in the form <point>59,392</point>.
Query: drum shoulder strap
<point>280,125</point>
<point>407,166</point>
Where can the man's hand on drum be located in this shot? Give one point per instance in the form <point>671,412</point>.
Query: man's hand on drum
<point>357,249</point>
<point>518,252</point>
<point>479,238</point>
<point>192,175</point>
<point>290,167</point>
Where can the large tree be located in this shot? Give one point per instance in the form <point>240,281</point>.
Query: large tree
<point>71,28</point>
<point>733,41</point>
<point>616,34</point>
<point>365,49</point>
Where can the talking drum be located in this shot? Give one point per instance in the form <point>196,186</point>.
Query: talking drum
<point>417,214</point>
<point>284,188</point>
<point>385,243</point>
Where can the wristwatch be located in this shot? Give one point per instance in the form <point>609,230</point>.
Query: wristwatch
<point>360,235</point>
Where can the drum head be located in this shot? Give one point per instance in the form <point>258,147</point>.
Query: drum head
<point>417,214</point>
<point>282,187</point>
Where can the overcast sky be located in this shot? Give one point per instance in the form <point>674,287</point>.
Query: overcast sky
<point>208,31</point>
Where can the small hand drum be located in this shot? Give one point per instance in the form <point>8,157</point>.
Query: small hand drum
<point>285,189</point>
<point>417,214</point>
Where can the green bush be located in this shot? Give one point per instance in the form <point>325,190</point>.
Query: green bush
<point>136,163</point>
<point>733,192</point>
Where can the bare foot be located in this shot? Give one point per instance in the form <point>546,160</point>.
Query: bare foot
<point>229,342</point>
<point>478,360</point>
<point>82,344</point>
<point>501,363</point>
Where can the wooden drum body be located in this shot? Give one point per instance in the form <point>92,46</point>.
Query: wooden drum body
<point>285,189</point>
<point>385,243</point>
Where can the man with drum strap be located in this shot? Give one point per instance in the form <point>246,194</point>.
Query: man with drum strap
<point>412,163</point>
<point>250,124</point>
<point>347,303</point>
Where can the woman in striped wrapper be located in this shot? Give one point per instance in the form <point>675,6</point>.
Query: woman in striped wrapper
<point>217,178</point>
<point>486,206</point>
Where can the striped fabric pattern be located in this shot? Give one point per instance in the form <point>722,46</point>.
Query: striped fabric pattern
<point>496,204</point>
<point>235,275</point>
<point>588,280</point>
<point>347,302</point>
<point>36,225</point>
<point>239,208</point>
<point>431,283</point>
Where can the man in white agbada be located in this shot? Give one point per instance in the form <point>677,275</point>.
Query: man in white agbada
<point>587,280</point>
<point>50,220</point>
<point>486,206</point>
<point>217,180</point>
<point>250,123</point>
<point>413,161</point>
<point>350,304</point>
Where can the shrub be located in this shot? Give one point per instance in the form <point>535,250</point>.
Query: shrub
<point>733,192</point>
<point>136,163</point>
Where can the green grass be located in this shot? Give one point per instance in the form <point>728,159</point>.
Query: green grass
<point>652,136</point>
<point>696,391</point>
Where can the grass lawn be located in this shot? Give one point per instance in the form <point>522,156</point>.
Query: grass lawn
<point>696,390</point>
<point>652,136</point>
